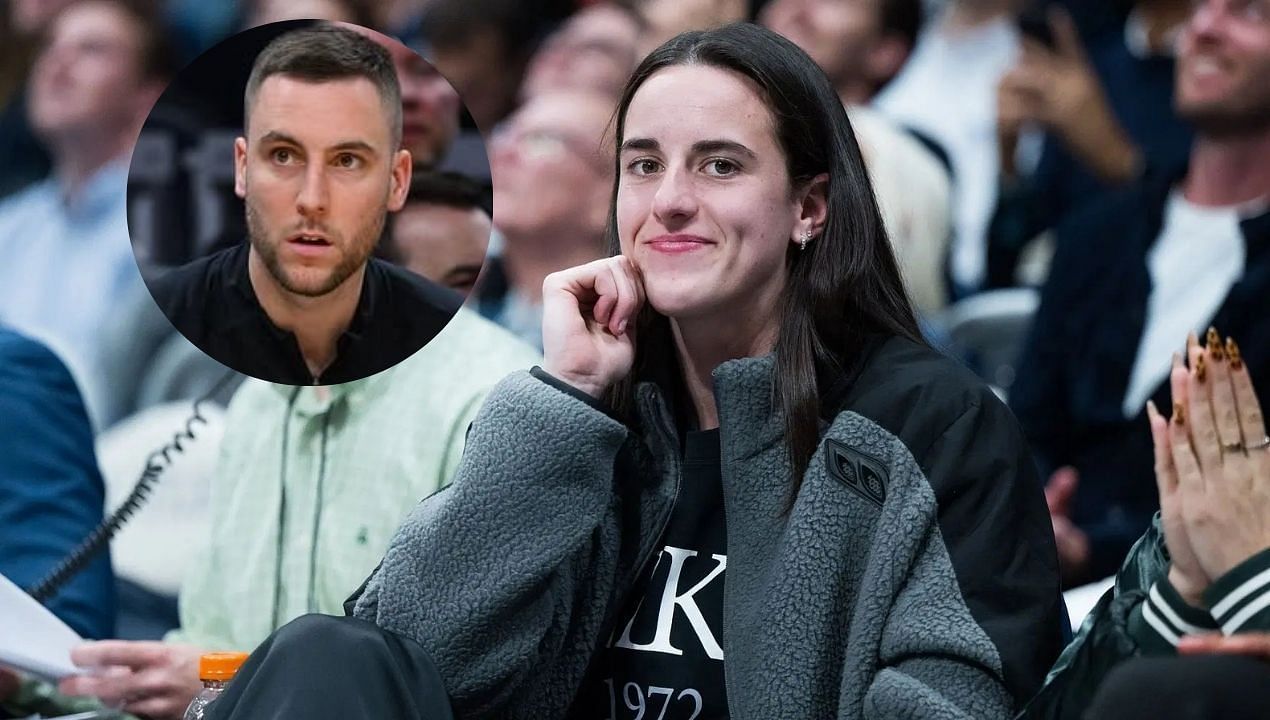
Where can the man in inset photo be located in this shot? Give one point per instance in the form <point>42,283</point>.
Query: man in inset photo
<point>319,167</point>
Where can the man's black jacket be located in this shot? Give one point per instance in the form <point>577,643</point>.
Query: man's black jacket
<point>1077,361</point>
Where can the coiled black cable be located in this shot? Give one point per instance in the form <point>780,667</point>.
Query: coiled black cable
<point>157,462</point>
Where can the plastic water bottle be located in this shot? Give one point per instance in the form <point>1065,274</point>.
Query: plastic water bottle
<point>215,670</point>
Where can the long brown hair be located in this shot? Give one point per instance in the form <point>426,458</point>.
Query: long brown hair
<point>845,287</point>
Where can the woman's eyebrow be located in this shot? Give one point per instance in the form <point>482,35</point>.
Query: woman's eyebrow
<point>712,146</point>
<point>642,144</point>
<point>701,147</point>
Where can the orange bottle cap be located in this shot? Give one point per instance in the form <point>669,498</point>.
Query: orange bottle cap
<point>220,665</point>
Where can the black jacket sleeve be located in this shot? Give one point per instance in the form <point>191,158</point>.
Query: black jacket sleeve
<point>1039,395</point>
<point>1106,637</point>
<point>992,513</point>
<point>995,524</point>
<point>1142,615</point>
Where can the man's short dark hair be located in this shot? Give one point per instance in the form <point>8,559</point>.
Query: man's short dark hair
<point>450,189</point>
<point>902,18</point>
<point>325,52</point>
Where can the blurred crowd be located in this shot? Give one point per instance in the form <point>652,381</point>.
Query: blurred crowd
<point>1070,187</point>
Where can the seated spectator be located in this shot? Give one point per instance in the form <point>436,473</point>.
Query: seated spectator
<point>153,553</point>
<point>1172,253</point>
<point>1199,580</point>
<point>51,497</point>
<point>429,105</point>
<point>947,91</point>
<point>483,48</point>
<point>855,579</point>
<point>914,193</point>
<point>402,19</point>
<point>861,46</point>
<point>311,484</point>
<point>22,25</point>
<point>595,50</point>
<point>1107,114</point>
<point>51,493</point>
<point>552,181</point>
<point>67,258</point>
<point>443,230</point>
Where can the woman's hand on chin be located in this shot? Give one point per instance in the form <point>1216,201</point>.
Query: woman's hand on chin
<point>588,323</point>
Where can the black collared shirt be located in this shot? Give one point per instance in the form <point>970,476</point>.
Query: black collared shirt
<point>211,302</point>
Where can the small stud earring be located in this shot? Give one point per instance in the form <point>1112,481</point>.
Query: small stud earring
<point>804,239</point>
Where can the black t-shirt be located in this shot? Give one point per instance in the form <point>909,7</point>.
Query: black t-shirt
<point>664,658</point>
<point>212,303</point>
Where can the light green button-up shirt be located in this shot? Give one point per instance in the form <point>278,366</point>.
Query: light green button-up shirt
<point>313,482</point>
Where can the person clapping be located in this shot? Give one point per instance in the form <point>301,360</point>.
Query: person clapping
<point>1198,582</point>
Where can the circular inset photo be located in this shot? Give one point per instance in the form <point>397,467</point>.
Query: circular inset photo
<point>301,205</point>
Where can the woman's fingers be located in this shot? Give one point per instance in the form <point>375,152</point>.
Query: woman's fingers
<point>603,309</point>
<point>638,274</point>
<point>1193,350</point>
<point>578,281</point>
<point>581,307</point>
<point>1251,421</point>
<point>594,288</point>
<point>1253,643</point>
<point>629,297</point>
<point>609,291</point>
<point>1185,466</point>
<point>1066,38</point>
<point>1229,435</point>
<point>608,294</point>
<point>1165,475</point>
<point>1203,431</point>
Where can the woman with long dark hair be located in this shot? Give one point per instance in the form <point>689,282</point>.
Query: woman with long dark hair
<point>741,485</point>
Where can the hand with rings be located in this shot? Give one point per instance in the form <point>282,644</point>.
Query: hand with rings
<point>1212,466</point>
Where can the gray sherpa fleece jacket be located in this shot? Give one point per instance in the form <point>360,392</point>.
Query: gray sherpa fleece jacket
<point>847,606</point>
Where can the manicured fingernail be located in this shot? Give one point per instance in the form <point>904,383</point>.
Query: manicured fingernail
<point>621,327</point>
<point>1152,411</point>
<point>1179,414</point>
<point>1215,345</point>
<point>1232,350</point>
<point>1200,370</point>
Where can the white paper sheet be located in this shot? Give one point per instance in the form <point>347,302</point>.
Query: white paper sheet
<point>31,637</point>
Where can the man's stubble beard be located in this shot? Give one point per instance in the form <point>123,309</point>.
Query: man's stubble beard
<point>1244,112</point>
<point>353,257</point>
<point>1218,122</point>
